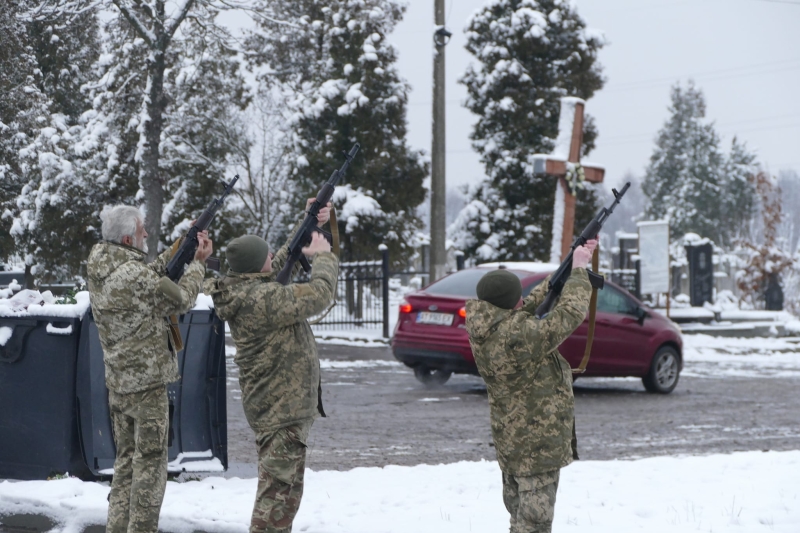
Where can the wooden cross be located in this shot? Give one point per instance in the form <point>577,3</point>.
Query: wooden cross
<point>567,150</point>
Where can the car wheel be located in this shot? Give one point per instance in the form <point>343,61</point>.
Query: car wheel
<point>664,371</point>
<point>429,376</point>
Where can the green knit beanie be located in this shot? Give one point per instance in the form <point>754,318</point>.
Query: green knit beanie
<point>500,288</point>
<point>247,254</point>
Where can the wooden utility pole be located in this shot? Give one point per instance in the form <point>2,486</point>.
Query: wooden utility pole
<point>438,189</point>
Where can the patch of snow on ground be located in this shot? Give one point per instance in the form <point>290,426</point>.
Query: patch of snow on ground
<point>369,338</point>
<point>713,357</point>
<point>748,491</point>
<point>349,365</point>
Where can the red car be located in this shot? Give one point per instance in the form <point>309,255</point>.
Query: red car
<point>630,338</point>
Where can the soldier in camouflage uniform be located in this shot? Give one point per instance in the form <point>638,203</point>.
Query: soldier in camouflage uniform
<point>131,302</point>
<point>278,365</point>
<point>529,385</point>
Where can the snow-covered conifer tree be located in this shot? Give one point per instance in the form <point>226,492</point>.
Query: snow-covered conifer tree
<point>22,109</point>
<point>66,47</point>
<point>334,58</point>
<point>690,180</point>
<point>41,204</point>
<point>530,53</point>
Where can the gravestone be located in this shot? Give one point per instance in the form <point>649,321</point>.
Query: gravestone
<point>627,273</point>
<point>628,248</point>
<point>773,296</point>
<point>701,274</point>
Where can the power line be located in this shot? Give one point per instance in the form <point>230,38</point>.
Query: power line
<point>650,137</point>
<point>715,75</point>
<point>711,75</point>
<point>656,6</point>
<point>724,125</point>
<point>781,2</point>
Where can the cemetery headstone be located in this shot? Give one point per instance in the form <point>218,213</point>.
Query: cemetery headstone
<point>701,274</point>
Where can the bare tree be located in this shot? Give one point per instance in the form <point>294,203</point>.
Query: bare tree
<point>767,259</point>
<point>262,155</point>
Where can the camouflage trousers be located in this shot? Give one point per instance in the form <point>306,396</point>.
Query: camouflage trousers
<point>531,500</point>
<point>281,470</point>
<point>139,421</point>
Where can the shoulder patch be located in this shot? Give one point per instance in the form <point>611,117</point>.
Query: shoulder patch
<point>302,290</point>
<point>169,289</point>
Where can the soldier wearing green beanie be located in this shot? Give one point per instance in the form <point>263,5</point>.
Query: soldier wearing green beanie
<point>247,254</point>
<point>279,373</point>
<point>500,288</point>
<point>529,385</point>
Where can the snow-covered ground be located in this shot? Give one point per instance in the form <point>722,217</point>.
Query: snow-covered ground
<point>714,357</point>
<point>742,493</point>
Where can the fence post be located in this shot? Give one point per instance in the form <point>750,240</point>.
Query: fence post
<point>385,260</point>
<point>459,260</point>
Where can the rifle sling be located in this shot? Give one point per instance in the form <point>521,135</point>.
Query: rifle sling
<point>335,249</point>
<point>592,314</point>
<point>334,232</point>
<point>172,321</point>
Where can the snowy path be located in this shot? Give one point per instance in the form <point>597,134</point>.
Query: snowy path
<point>741,492</point>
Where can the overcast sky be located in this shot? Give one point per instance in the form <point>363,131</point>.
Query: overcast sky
<point>743,54</point>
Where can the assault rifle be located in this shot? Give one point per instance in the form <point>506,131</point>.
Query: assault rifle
<point>303,236</point>
<point>560,276</point>
<point>185,252</point>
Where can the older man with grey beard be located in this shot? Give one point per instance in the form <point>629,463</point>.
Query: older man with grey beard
<point>131,302</point>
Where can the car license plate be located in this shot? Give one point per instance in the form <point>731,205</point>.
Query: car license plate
<point>439,319</point>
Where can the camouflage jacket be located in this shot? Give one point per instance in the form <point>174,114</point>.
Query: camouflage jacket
<point>275,348</point>
<point>131,302</point>
<point>528,381</point>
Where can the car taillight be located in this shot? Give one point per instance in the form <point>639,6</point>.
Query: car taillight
<point>462,312</point>
<point>405,307</point>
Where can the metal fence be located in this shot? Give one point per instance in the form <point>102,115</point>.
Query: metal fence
<point>362,296</point>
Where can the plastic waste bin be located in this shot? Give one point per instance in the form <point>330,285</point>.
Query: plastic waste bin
<point>198,418</point>
<point>38,423</point>
<point>54,415</point>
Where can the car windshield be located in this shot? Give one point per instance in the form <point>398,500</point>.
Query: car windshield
<point>465,283</point>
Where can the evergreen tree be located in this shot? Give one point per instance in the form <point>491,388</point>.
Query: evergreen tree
<point>36,206</point>
<point>738,200</point>
<point>690,181</point>
<point>66,47</point>
<point>334,58</point>
<point>530,53</point>
<point>21,104</point>
<point>61,229</point>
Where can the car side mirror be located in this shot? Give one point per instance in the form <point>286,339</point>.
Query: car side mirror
<point>641,314</point>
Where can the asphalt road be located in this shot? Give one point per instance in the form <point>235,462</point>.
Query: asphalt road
<point>379,414</point>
